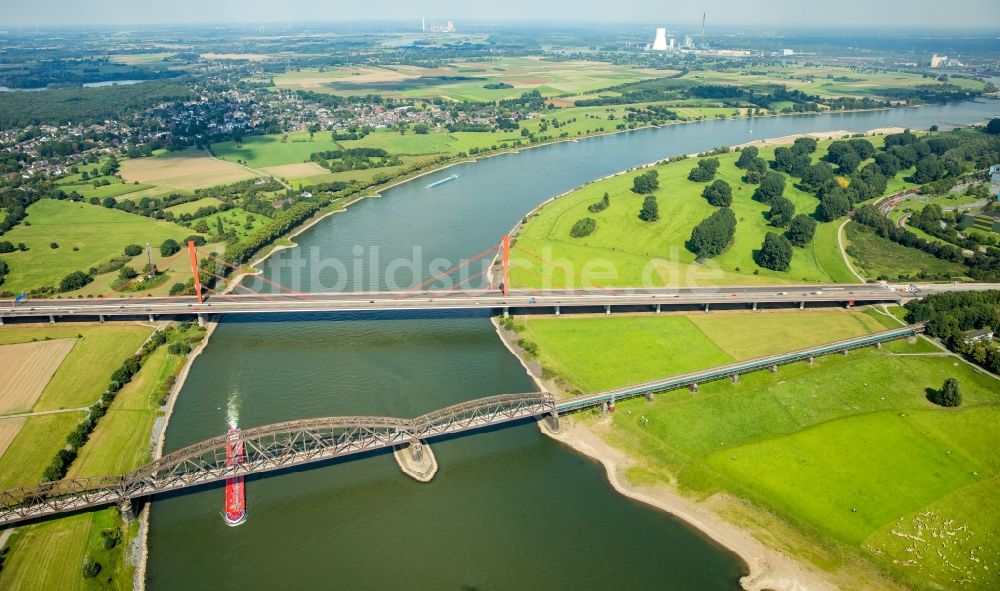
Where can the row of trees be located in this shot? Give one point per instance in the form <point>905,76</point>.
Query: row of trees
<point>119,378</point>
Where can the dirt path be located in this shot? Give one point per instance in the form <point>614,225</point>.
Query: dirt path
<point>44,412</point>
<point>843,250</point>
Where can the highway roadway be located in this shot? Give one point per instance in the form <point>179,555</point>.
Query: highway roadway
<point>475,299</point>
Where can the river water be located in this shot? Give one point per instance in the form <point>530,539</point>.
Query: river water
<point>508,509</point>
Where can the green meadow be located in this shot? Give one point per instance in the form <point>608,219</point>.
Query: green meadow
<point>857,466</point>
<point>654,252</point>
<point>87,236</point>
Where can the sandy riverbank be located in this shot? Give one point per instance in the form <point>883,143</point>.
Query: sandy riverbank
<point>821,135</point>
<point>768,569</point>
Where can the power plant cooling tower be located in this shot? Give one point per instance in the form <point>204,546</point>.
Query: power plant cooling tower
<point>660,43</point>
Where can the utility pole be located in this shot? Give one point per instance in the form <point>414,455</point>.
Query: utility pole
<point>149,259</point>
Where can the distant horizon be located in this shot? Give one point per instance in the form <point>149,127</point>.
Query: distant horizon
<point>478,25</point>
<point>863,14</point>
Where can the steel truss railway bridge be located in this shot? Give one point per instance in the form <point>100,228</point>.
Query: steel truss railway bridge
<point>295,443</point>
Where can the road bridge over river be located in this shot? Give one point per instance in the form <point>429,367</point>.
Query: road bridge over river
<point>524,301</point>
<point>295,443</point>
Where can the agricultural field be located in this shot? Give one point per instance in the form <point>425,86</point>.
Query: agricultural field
<point>87,236</point>
<point>877,257</point>
<point>825,81</point>
<point>25,369</point>
<point>575,348</point>
<point>653,253</point>
<point>119,443</point>
<point>269,153</point>
<point>31,450</point>
<point>854,464</point>
<point>237,219</point>
<point>81,375</point>
<point>117,188</point>
<point>9,428</point>
<point>462,81</point>
<point>192,206</point>
<point>183,171</point>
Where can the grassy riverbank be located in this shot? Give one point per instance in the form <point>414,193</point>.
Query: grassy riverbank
<point>855,467</point>
<point>641,252</point>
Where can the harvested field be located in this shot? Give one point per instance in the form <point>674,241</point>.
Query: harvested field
<point>8,430</point>
<point>185,170</point>
<point>253,57</point>
<point>25,370</point>
<point>295,171</point>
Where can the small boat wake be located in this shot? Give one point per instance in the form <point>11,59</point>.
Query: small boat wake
<point>442,181</point>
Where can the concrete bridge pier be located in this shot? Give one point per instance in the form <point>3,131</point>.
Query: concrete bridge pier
<point>802,305</point>
<point>127,509</point>
<point>753,306</point>
<point>650,397</point>
<point>693,388</point>
<point>607,309</point>
<point>878,346</point>
<point>506,312</point>
<point>52,319</point>
<point>100,317</point>
<point>810,360</point>
<point>735,378</point>
<point>845,351</point>
<point>706,308</point>
<point>774,369</point>
<point>416,460</point>
<point>551,421</point>
<point>152,318</point>
<point>201,319</point>
<point>611,405</point>
<point>657,308</point>
<point>557,310</point>
<point>1,320</point>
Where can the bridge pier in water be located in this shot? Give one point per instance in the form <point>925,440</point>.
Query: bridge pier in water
<point>416,460</point>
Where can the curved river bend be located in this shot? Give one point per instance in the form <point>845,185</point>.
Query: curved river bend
<point>508,509</point>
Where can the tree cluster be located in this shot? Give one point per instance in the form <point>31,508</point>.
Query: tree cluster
<point>775,253</point>
<point>600,205</point>
<point>704,171</point>
<point>713,234</point>
<point>646,182</point>
<point>950,315</point>
<point>719,193</point>
<point>650,211</point>
<point>583,227</point>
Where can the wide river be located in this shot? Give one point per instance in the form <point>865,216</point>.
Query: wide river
<point>508,509</point>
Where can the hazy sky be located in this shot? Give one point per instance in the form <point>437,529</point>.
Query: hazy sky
<point>770,13</point>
